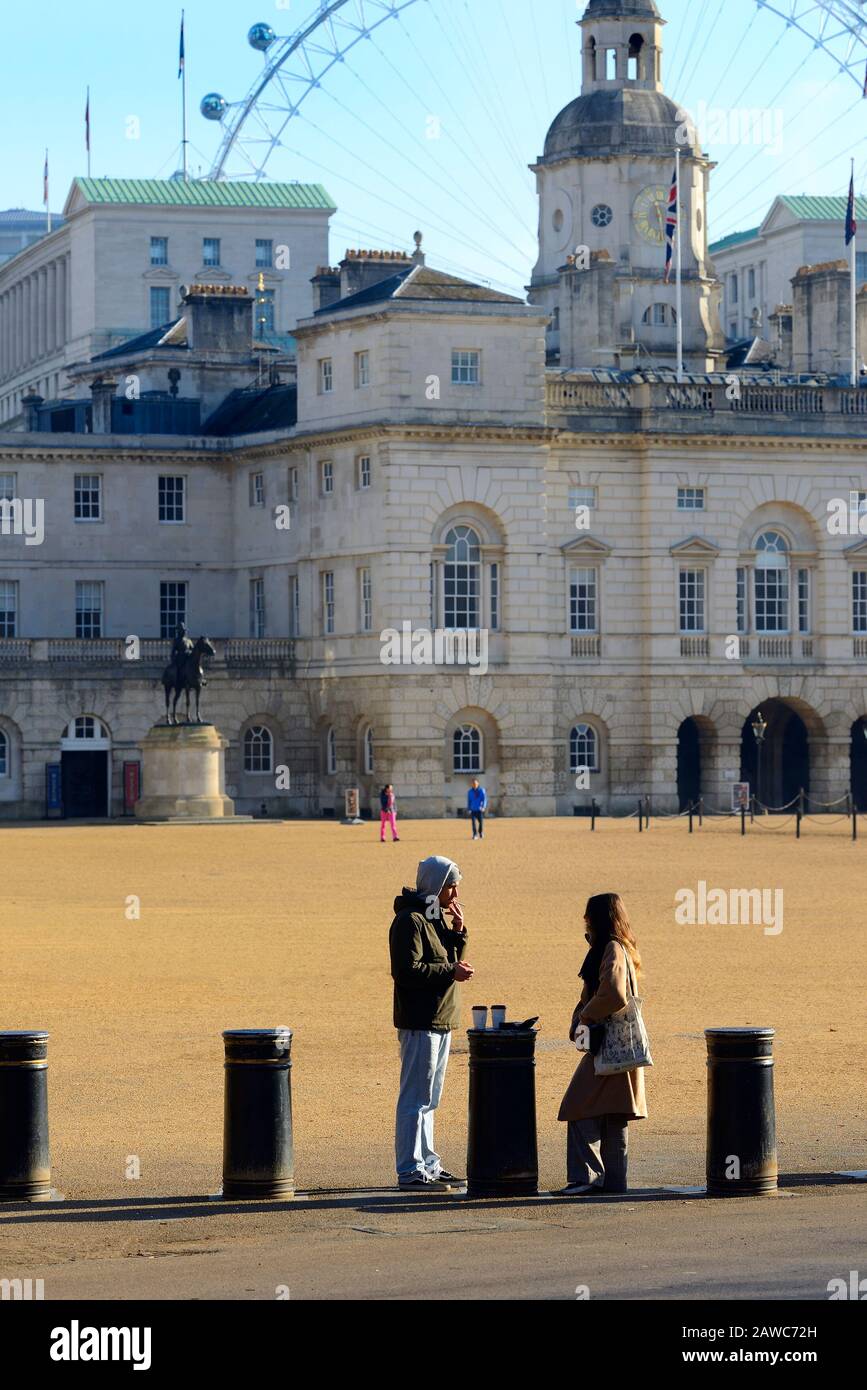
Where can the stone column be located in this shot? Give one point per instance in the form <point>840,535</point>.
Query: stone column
<point>60,302</point>
<point>51,307</point>
<point>720,756</point>
<point>830,769</point>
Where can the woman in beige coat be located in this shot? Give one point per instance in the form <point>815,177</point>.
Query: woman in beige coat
<point>597,1109</point>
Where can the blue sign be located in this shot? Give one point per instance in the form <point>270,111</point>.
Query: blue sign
<point>53,794</point>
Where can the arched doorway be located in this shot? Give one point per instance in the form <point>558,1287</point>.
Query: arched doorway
<point>688,764</point>
<point>858,763</point>
<point>85,768</point>
<point>785,755</point>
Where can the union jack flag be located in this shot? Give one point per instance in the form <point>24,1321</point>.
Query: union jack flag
<point>670,225</point>
<point>851,224</point>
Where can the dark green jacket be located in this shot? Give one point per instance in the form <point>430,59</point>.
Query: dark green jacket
<point>423,954</point>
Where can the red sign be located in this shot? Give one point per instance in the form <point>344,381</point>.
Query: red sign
<point>131,786</point>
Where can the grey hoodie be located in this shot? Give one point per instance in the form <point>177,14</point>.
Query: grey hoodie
<point>424,950</point>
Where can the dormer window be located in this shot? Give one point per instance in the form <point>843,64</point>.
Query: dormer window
<point>635,60</point>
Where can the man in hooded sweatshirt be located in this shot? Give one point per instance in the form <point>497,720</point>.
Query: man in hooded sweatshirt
<point>427,964</point>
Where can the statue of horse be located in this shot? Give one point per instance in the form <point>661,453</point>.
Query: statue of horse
<point>185,675</point>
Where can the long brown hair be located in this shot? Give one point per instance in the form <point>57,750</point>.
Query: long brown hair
<point>608,921</point>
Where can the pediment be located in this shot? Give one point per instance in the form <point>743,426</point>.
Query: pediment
<point>695,545</point>
<point>857,550</point>
<point>586,545</point>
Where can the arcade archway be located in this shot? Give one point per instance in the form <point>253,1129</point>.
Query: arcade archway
<point>782,769</point>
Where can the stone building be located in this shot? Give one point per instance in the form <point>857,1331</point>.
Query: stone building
<point>644,564</point>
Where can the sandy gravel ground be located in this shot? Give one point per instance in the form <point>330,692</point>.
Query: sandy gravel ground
<point>269,923</point>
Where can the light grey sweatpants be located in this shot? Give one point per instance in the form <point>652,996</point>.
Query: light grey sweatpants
<point>596,1151</point>
<point>423,1060</point>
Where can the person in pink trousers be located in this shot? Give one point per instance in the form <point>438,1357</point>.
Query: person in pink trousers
<point>387,812</point>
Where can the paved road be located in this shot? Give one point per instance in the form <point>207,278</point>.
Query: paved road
<point>377,1245</point>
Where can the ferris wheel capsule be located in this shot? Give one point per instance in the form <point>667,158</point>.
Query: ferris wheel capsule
<point>213,107</point>
<point>261,37</point>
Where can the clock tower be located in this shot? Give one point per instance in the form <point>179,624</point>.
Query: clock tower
<point>603,183</point>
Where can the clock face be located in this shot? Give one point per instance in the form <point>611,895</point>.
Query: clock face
<point>648,213</point>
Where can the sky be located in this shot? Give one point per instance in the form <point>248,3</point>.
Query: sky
<point>431,122</point>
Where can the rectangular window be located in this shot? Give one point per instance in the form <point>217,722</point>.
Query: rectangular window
<point>328,602</point>
<point>257,489</point>
<point>861,266</point>
<point>264,253</point>
<point>859,601</point>
<point>772,599</point>
<point>741,601</point>
<point>7,487</point>
<point>733,329</point>
<point>8,608</point>
<point>327,478</point>
<point>803,600</point>
<point>293,484</point>
<point>264,313</point>
<point>495,598</point>
<point>170,494</point>
<point>751,284</point>
<point>173,606</point>
<point>362,369</point>
<point>692,600</point>
<point>211,251</point>
<point>88,609</point>
<point>159,250</point>
<point>160,304</point>
<point>364,471</point>
<point>87,497</point>
<point>690,499</point>
<point>582,497</point>
<point>326,377</point>
<point>466,367</point>
<point>257,608</point>
<point>583,608</point>
<point>365,594</point>
<point>294,606</point>
<point>431,586</point>
<point>734,285</point>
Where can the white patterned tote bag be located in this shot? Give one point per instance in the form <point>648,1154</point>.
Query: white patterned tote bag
<point>625,1045</point>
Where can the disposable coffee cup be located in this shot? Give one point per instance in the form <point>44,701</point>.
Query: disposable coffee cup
<point>480,1015</point>
<point>498,1015</point>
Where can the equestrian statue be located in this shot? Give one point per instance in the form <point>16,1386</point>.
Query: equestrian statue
<point>183,674</point>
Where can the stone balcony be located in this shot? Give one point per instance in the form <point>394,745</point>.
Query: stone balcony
<point>711,405</point>
<point>62,655</point>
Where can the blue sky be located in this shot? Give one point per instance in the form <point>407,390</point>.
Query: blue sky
<point>484,78</point>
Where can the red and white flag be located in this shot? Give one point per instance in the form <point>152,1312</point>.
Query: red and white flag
<point>45,182</point>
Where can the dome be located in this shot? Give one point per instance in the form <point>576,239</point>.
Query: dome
<point>626,120</point>
<point>622,9</point>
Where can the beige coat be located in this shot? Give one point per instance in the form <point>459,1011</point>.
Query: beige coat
<point>590,1095</point>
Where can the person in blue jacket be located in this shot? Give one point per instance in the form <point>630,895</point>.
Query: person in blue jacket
<point>477,804</point>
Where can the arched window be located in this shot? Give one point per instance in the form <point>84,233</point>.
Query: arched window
<point>771,583</point>
<point>258,749</point>
<point>462,579</point>
<point>660,315</point>
<point>467,749</point>
<point>85,726</point>
<point>4,754</point>
<point>591,55</point>
<point>635,65</point>
<point>331,753</point>
<point>583,748</point>
<point>367,759</point>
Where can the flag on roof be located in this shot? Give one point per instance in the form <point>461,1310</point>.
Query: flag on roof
<point>851,224</point>
<point>670,225</point>
<point>181,50</point>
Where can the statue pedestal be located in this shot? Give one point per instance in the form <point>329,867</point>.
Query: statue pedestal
<point>183,774</point>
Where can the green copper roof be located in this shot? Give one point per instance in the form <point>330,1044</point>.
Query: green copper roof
<point>815,209</point>
<point>211,193</point>
<point>734,239</point>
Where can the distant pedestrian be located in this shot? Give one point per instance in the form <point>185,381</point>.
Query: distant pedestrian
<point>477,805</point>
<point>597,1109</point>
<point>387,812</point>
<point>426,965</point>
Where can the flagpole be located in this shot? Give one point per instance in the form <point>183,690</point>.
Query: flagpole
<point>47,196</point>
<point>679,270</point>
<point>87,124</point>
<point>183,99</point>
<point>853,289</point>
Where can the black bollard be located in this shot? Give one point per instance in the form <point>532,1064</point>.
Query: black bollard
<point>640,817</point>
<point>798,823</point>
<point>258,1158</point>
<point>25,1162</point>
<point>502,1159</point>
<point>701,811</point>
<point>744,819</point>
<point>741,1130</point>
<point>593,814</point>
